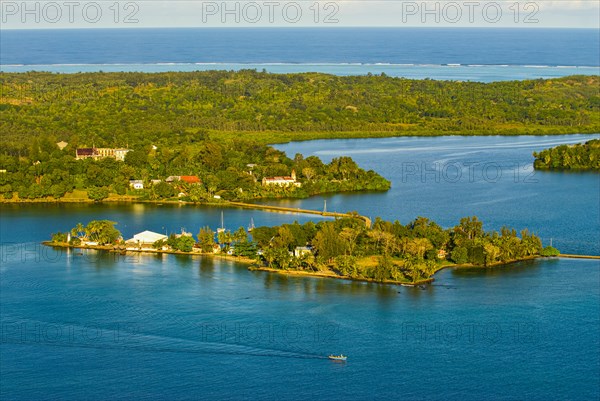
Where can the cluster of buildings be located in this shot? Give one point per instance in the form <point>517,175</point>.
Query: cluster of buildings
<point>119,154</point>
<point>146,239</point>
<point>187,179</point>
<point>101,153</point>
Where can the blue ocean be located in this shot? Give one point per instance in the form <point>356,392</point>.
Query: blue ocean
<point>438,53</point>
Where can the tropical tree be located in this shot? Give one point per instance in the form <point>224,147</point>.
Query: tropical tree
<point>78,231</point>
<point>102,231</point>
<point>97,193</point>
<point>184,243</point>
<point>327,243</point>
<point>240,235</point>
<point>224,237</point>
<point>206,239</point>
<point>59,237</point>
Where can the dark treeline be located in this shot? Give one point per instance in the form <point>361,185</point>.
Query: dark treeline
<point>584,156</point>
<point>113,109</point>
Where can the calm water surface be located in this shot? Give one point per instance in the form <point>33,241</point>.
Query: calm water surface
<point>89,325</point>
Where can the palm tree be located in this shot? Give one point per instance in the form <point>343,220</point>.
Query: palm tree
<point>78,231</point>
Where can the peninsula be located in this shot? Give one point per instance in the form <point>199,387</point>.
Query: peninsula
<point>387,252</point>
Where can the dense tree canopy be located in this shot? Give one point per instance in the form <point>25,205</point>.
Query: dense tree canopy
<point>115,109</point>
<point>387,251</point>
<point>391,250</point>
<point>232,169</point>
<point>216,124</point>
<point>584,156</point>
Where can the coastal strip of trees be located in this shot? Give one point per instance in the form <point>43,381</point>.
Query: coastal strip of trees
<point>386,252</point>
<point>581,156</point>
<point>113,109</point>
<point>230,169</point>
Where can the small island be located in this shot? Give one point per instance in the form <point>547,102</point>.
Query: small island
<point>581,156</point>
<point>345,248</point>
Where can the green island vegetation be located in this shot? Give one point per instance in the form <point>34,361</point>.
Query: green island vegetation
<point>229,170</point>
<point>108,109</point>
<point>215,125</point>
<point>344,248</point>
<point>581,156</point>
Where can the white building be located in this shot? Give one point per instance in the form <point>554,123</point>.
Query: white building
<point>136,184</point>
<point>299,251</point>
<point>281,181</point>
<point>145,239</point>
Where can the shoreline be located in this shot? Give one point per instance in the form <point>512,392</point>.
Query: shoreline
<point>330,274</point>
<point>253,265</point>
<point>116,249</point>
<point>571,256</point>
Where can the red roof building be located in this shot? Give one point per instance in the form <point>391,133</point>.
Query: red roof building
<point>190,179</point>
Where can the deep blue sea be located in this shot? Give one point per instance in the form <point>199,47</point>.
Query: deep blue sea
<point>438,53</point>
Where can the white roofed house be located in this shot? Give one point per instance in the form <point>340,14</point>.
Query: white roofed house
<point>145,239</point>
<point>136,184</point>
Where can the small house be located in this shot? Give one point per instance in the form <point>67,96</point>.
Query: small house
<point>300,251</point>
<point>188,179</point>
<point>136,184</point>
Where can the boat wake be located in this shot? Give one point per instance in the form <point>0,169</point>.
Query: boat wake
<point>25,332</point>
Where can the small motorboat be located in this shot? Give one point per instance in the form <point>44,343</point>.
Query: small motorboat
<point>338,357</point>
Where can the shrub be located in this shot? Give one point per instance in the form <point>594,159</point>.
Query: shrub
<point>550,251</point>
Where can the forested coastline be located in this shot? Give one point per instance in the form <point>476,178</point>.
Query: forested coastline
<point>581,156</point>
<point>215,125</point>
<point>344,248</point>
<point>109,109</point>
<point>216,170</point>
